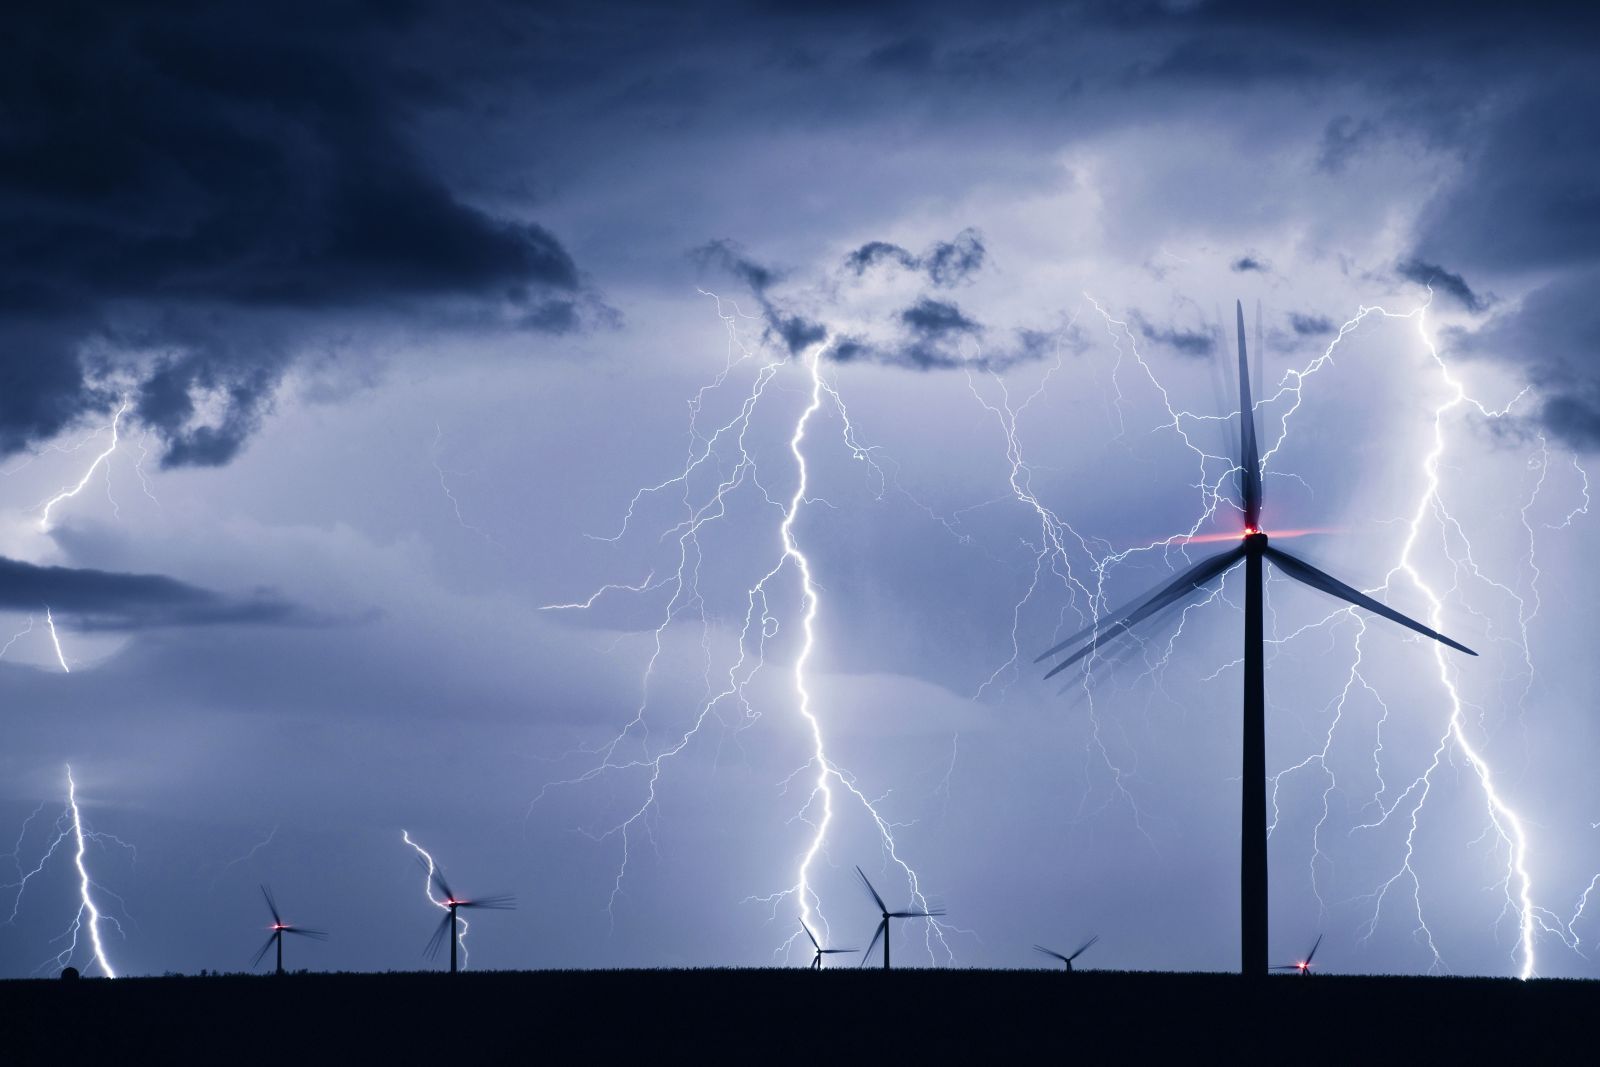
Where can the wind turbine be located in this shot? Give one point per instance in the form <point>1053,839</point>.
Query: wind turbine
<point>447,926</point>
<point>1304,966</point>
<point>883,923</point>
<point>1251,551</point>
<point>1067,959</point>
<point>279,928</point>
<point>816,961</point>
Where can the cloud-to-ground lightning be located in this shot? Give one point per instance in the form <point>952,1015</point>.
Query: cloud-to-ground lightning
<point>68,492</point>
<point>55,640</point>
<point>722,462</point>
<point>1429,518</point>
<point>426,858</point>
<point>70,830</point>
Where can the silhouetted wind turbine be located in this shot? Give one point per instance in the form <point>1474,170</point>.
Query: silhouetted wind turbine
<point>279,928</point>
<point>447,926</point>
<point>883,924</point>
<point>1251,551</point>
<point>816,961</point>
<point>1304,966</point>
<point>1068,959</point>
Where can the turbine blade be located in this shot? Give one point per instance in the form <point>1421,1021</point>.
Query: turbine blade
<point>256,959</point>
<point>883,909</point>
<point>1249,452</point>
<point>436,942</point>
<point>1305,572</point>
<point>1051,953</point>
<point>438,880</point>
<point>809,934</point>
<point>1187,582</point>
<point>933,914</point>
<point>834,951</point>
<point>272,905</point>
<point>503,902</point>
<point>883,925</point>
<point>1313,953</point>
<point>1285,967</point>
<point>315,935</point>
<point>1084,947</point>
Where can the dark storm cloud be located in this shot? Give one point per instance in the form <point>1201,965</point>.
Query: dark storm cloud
<point>1436,277</point>
<point>1249,263</point>
<point>946,263</point>
<point>196,172</point>
<point>106,600</point>
<point>795,332</point>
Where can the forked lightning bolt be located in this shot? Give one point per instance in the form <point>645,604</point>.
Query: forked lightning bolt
<point>720,463</point>
<point>427,889</point>
<point>71,831</point>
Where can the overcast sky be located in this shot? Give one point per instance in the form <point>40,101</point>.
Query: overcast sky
<point>414,327</point>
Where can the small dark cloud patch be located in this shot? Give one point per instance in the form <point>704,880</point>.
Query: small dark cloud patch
<point>937,319</point>
<point>223,185</point>
<point>946,263</point>
<point>108,600</point>
<point>1249,263</point>
<point>796,332</point>
<point>1310,325</point>
<point>1185,342</point>
<point>1436,277</point>
<point>1575,418</point>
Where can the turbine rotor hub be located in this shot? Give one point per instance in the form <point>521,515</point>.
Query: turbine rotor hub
<point>1255,542</point>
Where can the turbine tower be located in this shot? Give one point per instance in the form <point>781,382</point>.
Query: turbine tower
<point>1303,966</point>
<point>279,928</point>
<point>451,903</point>
<point>816,961</point>
<point>883,923</point>
<point>1067,959</point>
<point>1252,550</point>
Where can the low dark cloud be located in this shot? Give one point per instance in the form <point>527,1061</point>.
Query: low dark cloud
<point>108,600</point>
<point>795,332</point>
<point>1184,342</point>
<point>1310,325</point>
<point>945,263</point>
<point>1436,277</point>
<point>190,195</point>
<point>1249,263</point>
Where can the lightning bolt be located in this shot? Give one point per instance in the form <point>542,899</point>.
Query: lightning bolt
<point>427,888</point>
<point>724,455</point>
<point>55,640</point>
<point>1058,542</point>
<point>68,492</point>
<point>70,827</point>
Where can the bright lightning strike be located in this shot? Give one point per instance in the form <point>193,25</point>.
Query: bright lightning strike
<point>55,640</point>
<point>725,456</point>
<point>70,827</point>
<point>71,491</point>
<point>460,932</point>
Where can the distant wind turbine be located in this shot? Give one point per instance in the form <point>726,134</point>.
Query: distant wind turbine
<point>816,961</point>
<point>447,926</point>
<point>279,928</point>
<point>1303,966</point>
<point>1067,959</point>
<point>1252,550</point>
<point>883,924</point>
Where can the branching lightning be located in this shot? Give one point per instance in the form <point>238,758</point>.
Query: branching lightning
<point>427,888</point>
<point>68,492</point>
<point>725,455</point>
<point>70,827</point>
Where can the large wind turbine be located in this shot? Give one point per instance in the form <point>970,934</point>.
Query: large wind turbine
<point>886,915</point>
<point>1252,550</point>
<point>448,926</point>
<point>279,928</point>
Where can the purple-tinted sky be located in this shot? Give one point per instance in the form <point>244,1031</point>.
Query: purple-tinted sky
<point>418,322</point>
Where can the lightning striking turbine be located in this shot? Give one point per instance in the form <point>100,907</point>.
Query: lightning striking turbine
<point>883,922</point>
<point>279,928</point>
<point>451,925</point>
<point>1252,552</point>
<point>725,456</point>
<point>1067,960</point>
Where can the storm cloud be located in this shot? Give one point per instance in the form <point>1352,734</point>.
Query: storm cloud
<point>105,600</point>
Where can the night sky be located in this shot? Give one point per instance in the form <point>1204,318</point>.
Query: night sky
<point>416,326</point>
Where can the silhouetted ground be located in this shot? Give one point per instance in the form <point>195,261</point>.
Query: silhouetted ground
<point>755,1016</point>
